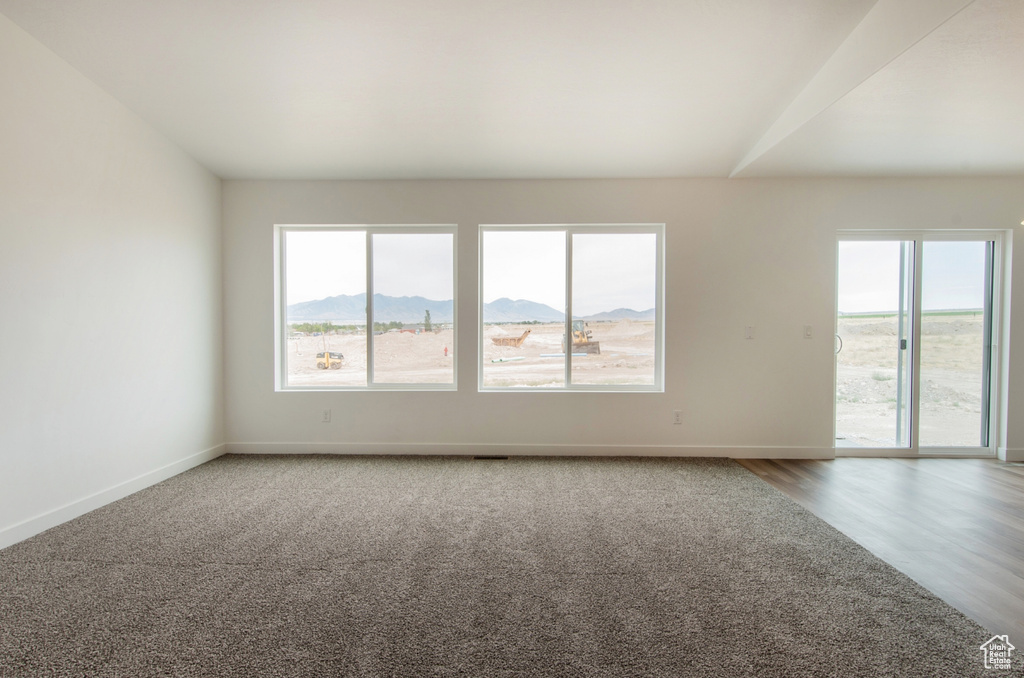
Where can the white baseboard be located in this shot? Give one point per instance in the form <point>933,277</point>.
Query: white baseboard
<point>1011,454</point>
<point>491,449</point>
<point>33,526</point>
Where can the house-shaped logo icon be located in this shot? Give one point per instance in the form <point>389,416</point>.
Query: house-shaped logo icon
<point>998,652</point>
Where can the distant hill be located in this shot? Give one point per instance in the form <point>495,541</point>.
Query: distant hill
<point>621,314</point>
<point>347,309</point>
<point>506,310</point>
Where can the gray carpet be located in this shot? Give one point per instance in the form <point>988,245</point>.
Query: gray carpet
<point>325,566</point>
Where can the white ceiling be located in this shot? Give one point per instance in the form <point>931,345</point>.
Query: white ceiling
<point>559,88</point>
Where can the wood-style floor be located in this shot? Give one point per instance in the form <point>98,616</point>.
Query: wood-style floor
<point>956,526</point>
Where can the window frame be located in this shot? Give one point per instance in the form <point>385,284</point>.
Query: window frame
<point>996,294</point>
<point>281,303</point>
<point>657,229</point>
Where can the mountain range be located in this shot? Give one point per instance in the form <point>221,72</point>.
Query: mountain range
<point>622,314</point>
<point>506,310</point>
<point>347,309</point>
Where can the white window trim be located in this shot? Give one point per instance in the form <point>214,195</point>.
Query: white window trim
<point>571,229</point>
<point>281,303</point>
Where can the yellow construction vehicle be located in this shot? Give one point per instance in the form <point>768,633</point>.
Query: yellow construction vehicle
<point>329,360</point>
<point>581,339</point>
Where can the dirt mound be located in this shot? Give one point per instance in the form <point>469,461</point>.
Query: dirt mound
<point>622,329</point>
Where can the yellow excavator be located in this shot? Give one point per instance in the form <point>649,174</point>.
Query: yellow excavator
<point>581,340</point>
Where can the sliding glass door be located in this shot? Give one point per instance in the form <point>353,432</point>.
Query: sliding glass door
<point>956,344</point>
<point>873,365</point>
<point>914,353</point>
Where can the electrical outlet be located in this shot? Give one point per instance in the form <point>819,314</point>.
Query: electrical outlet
<point>808,333</point>
<point>325,418</point>
<point>677,417</point>
<point>750,332</point>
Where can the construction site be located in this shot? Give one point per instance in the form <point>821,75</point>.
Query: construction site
<point>514,355</point>
<point>603,353</point>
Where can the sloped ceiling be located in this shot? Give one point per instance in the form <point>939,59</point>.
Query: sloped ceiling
<point>574,88</point>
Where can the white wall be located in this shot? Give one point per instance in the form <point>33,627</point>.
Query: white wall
<point>739,252</point>
<point>110,295</point>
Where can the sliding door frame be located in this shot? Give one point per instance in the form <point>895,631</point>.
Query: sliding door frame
<point>993,357</point>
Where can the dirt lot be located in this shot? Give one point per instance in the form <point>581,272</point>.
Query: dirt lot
<point>866,393</point>
<point>627,357</point>
<point>400,357</point>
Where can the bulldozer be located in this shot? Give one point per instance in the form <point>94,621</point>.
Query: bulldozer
<point>581,340</point>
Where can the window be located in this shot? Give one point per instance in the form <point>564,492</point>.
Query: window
<point>571,307</point>
<point>366,307</point>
